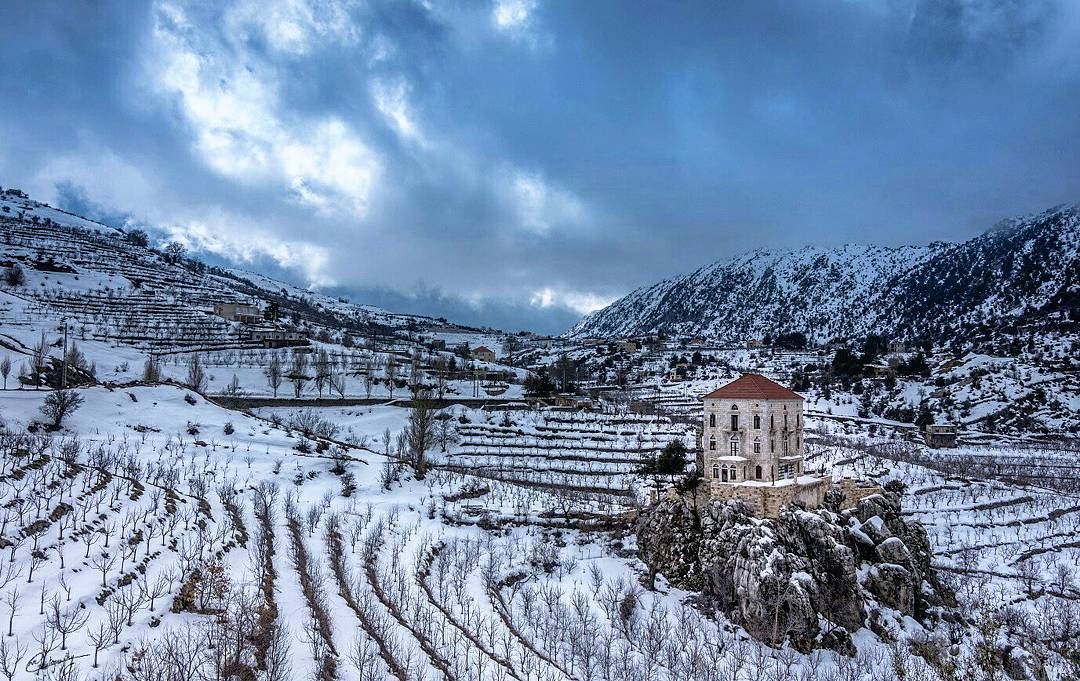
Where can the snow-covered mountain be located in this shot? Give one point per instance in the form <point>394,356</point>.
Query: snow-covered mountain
<point>1023,272</point>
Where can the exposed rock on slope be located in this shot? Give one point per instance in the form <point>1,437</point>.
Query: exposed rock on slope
<point>1023,272</point>
<point>865,566</point>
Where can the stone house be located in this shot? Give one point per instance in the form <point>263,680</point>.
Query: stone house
<point>271,337</point>
<point>940,435</point>
<point>753,443</point>
<point>244,313</point>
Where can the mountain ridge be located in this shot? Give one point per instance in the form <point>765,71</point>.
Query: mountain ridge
<point>1021,269</point>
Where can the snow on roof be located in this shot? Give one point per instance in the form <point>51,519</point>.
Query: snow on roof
<point>753,387</point>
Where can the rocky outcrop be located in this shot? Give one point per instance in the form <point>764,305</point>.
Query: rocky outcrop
<point>808,577</point>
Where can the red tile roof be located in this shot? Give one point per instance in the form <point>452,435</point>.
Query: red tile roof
<point>481,349</point>
<point>753,387</point>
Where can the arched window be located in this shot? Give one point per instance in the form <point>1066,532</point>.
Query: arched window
<point>716,470</point>
<point>712,420</point>
<point>757,446</point>
<point>757,422</point>
<point>712,443</point>
<point>734,407</point>
<point>724,474</point>
<point>757,472</point>
<point>733,469</point>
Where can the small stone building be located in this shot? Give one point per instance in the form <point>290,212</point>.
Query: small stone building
<point>752,443</point>
<point>239,312</point>
<point>940,435</point>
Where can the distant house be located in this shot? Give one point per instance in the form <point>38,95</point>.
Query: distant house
<point>239,312</point>
<point>483,354</point>
<point>939,435</point>
<point>438,344</point>
<point>630,345</point>
<point>278,338</point>
<point>897,347</point>
<point>696,342</point>
<point>754,343</point>
<point>878,370</point>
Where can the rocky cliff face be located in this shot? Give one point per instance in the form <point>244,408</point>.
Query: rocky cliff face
<point>865,566</point>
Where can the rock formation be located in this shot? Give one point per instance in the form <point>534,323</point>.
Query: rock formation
<point>809,577</point>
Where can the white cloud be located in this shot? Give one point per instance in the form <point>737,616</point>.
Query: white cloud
<point>295,27</point>
<point>240,241</point>
<point>541,207</point>
<point>392,100</point>
<point>230,99</point>
<point>580,302</point>
<point>512,15</point>
<point>516,19</point>
<point>112,182</point>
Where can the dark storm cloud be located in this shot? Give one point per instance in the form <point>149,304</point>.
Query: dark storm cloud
<point>509,162</point>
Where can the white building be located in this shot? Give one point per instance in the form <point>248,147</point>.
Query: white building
<point>752,439</point>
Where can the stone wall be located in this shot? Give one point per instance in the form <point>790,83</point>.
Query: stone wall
<point>766,500</point>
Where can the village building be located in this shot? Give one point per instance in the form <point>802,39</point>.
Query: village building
<point>483,354</point>
<point>878,370</point>
<point>940,435</point>
<point>271,337</point>
<point>753,443</point>
<point>244,313</point>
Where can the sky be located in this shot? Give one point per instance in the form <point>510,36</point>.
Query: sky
<point>519,163</point>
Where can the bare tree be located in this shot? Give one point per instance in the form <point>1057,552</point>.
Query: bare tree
<point>274,372</point>
<point>101,637</point>
<point>153,590</point>
<point>196,374</point>
<point>103,562</point>
<point>152,370</point>
<point>66,621</point>
<point>59,404</point>
<point>322,370</point>
<point>369,375</point>
<point>39,355</point>
<point>337,382</point>
<point>5,368</point>
<point>420,431</point>
<point>391,373</point>
<point>11,599</point>
<point>131,600</point>
<point>10,657</point>
<point>298,372</point>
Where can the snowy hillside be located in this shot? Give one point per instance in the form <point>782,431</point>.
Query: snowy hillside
<point>1022,272</point>
<point>130,292</point>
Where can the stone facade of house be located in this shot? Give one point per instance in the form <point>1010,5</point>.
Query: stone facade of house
<point>753,443</point>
